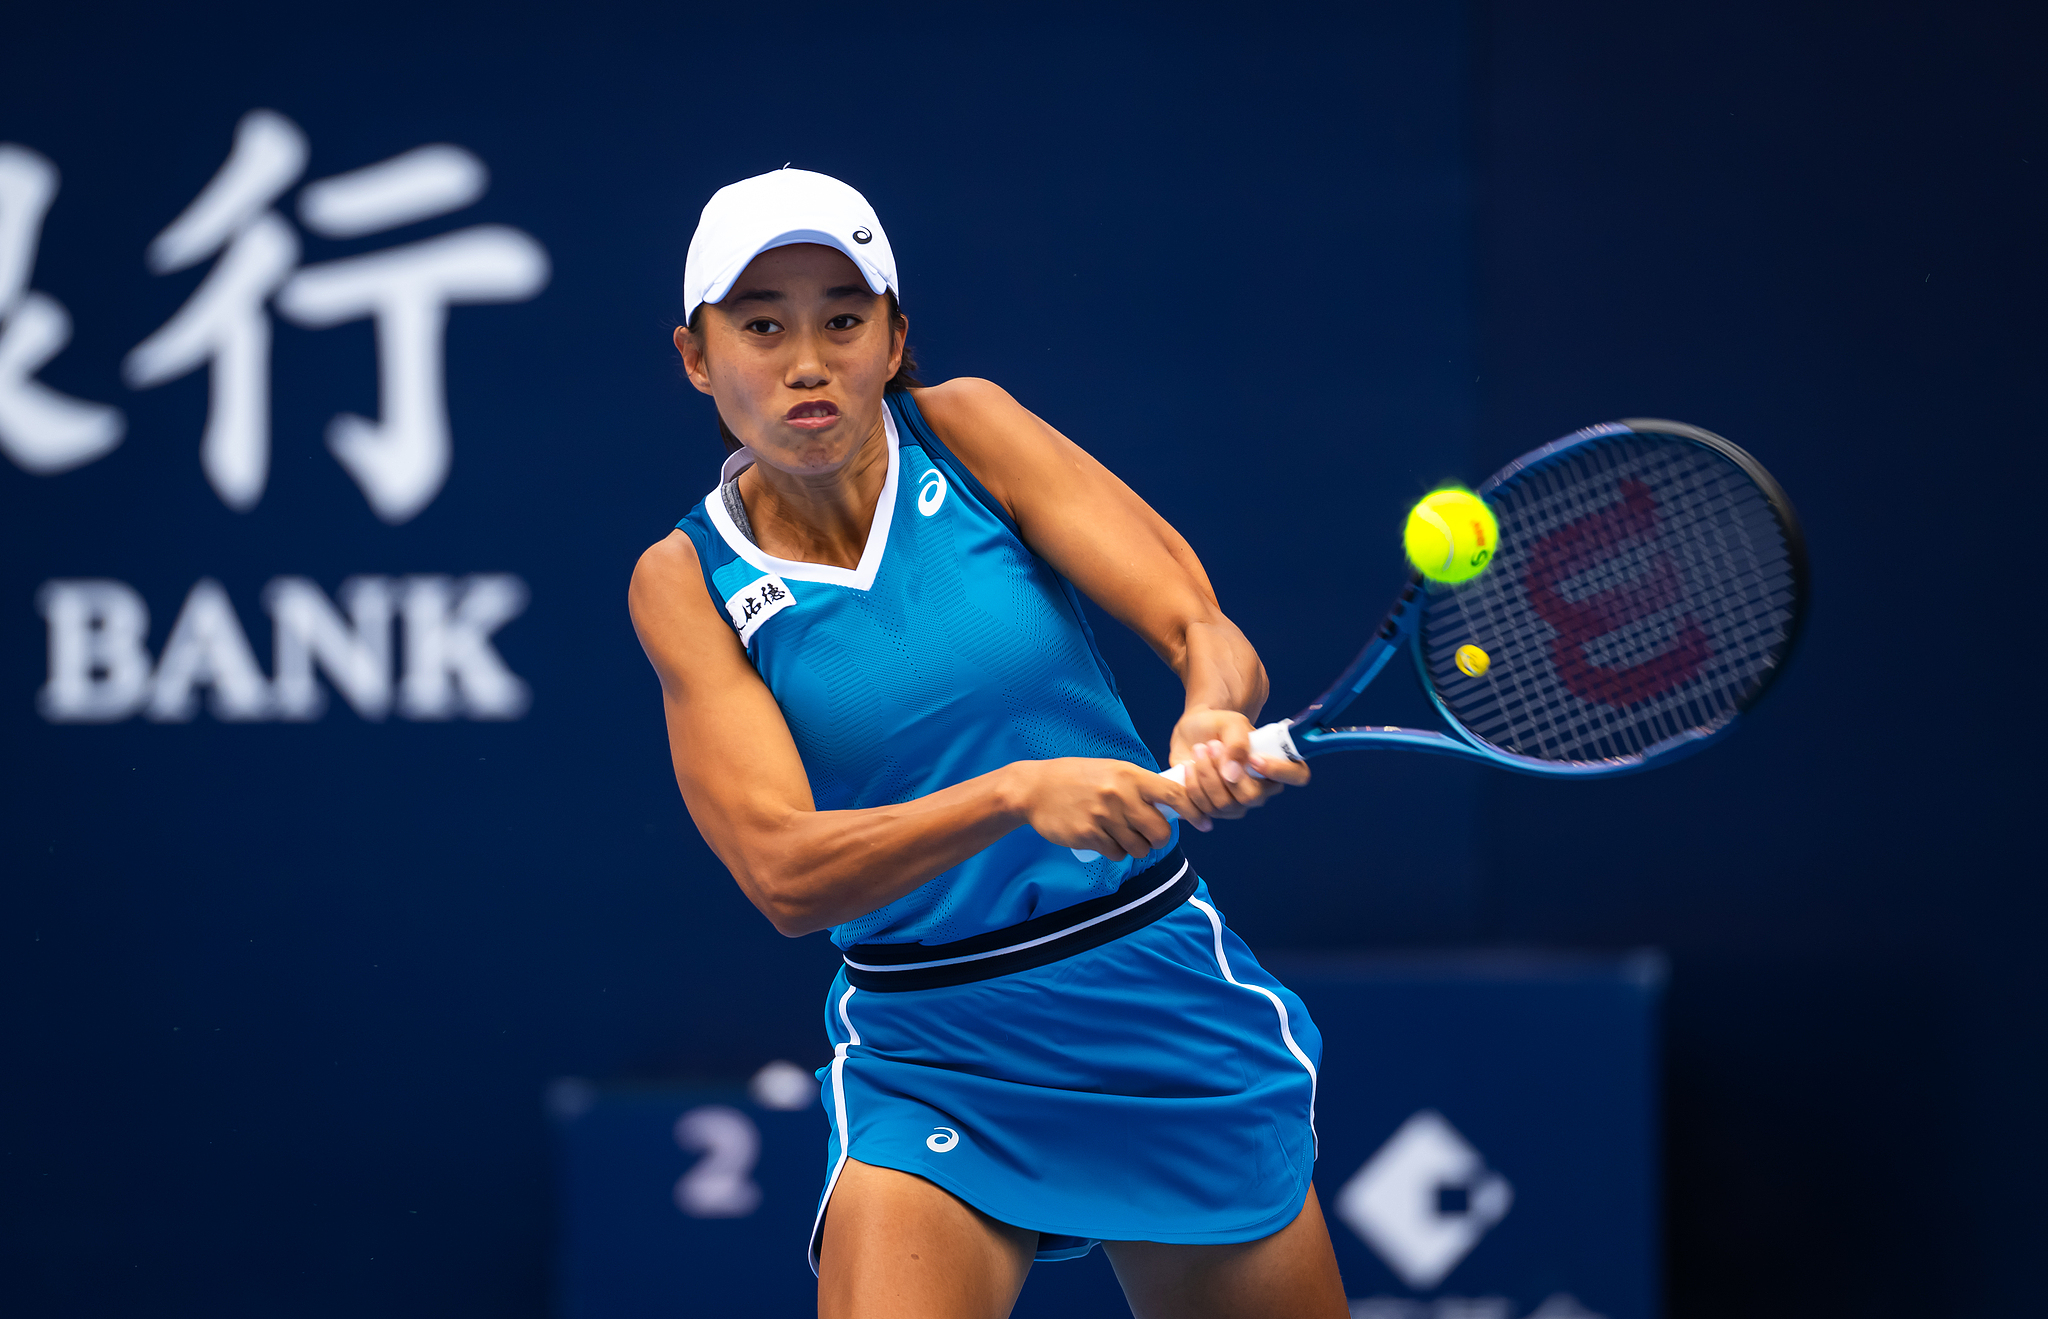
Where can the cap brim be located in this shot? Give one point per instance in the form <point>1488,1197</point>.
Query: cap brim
<point>723,284</point>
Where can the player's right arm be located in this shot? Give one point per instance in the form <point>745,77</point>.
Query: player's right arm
<point>807,869</point>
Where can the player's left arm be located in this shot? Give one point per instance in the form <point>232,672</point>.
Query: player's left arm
<point>1095,531</point>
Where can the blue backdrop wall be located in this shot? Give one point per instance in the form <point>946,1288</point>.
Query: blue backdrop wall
<point>1817,232</point>
<point>281,993</point>
<point>285,992</point>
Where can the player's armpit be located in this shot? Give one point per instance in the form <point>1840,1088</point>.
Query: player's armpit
<point>1076,513</point>
<point>1095,531</point>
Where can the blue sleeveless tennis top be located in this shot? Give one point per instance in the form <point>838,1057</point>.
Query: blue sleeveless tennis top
<point>950,651</point>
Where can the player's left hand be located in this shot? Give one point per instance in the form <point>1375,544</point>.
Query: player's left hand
<point>1216,746</point>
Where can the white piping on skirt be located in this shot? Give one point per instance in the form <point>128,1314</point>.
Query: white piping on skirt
<point>1286,1035</point>
<point>839,1115</point>
<point>1029,943</point>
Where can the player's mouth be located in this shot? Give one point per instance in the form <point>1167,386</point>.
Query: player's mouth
<point>814,416</point>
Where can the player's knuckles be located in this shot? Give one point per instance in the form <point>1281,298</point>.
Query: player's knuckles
<point>1112,793</point>
<point>1104,836</point>
<point>1279,769</point>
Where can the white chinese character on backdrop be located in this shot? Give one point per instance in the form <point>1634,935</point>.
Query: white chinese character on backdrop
<point>223,323</point>
<point>43,431</point>
<point>401,460</point>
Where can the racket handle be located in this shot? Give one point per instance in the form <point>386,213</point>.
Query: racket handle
<point>1268,740</point>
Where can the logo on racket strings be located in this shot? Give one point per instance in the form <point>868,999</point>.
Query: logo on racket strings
<point>1578,547</point>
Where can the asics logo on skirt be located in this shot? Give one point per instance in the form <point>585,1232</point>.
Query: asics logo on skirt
<point>941,1139</point>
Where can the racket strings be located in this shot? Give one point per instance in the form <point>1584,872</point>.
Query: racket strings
<point>1643,589</point>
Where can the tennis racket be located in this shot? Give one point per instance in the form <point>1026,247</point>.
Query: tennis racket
<point>1648,587</point>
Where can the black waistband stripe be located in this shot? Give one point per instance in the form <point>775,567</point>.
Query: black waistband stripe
<point>1055,936</point>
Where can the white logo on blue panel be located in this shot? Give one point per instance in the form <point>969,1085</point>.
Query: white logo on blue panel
<point>931,491</point>
<point>941,1140</point>
<point>1424,1200</point>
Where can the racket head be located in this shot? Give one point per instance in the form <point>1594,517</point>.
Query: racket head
<point>1649,585</point>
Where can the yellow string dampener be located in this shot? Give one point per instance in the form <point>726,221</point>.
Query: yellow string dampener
<point>1472,661</point>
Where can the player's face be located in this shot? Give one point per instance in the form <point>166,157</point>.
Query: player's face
<point>796,355</point>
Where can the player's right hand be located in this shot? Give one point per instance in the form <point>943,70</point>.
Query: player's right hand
<point>1106,806</point>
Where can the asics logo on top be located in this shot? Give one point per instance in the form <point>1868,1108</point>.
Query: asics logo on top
<point>941,1140</point>
<point>863,236</point>
<point>931,491</point>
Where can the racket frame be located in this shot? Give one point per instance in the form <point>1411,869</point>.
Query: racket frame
<point>1312,733</point>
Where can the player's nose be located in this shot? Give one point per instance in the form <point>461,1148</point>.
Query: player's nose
<point>807,368</point>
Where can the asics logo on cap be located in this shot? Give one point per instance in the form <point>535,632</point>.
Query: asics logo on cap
<point>863,236</point>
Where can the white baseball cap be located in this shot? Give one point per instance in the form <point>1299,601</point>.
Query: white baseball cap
<point>785,206</point>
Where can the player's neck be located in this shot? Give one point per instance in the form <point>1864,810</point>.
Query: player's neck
<point>819,517</point>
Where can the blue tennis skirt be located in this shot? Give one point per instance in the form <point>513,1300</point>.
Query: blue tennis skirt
<point>1156,1087</point>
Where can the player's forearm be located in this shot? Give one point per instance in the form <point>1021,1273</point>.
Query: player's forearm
<point>810,870</point>
<point>1220,670</point>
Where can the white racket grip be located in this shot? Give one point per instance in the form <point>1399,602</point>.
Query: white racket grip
<point>1269,740</point>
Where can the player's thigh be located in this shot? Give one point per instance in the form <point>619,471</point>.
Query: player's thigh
<point>897,1246</point>
<point>1289,1275</point>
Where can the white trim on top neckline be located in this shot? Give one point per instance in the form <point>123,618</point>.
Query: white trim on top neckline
<point>795,570</point>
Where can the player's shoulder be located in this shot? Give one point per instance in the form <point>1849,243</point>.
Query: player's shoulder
<point>667,566</point>
<point>681,627</point>
<point>673,552</point>
<point>966,406</point>
<point>999,439</point>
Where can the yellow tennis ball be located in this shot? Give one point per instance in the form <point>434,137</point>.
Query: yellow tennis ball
<point>1472,661</point>
<point>1451,535</point>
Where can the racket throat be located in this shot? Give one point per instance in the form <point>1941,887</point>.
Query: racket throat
<point>1388,638</point>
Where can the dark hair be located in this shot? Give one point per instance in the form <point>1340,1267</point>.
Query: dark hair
<point>905,377</point>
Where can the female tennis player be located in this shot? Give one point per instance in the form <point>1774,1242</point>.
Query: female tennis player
<point>890,720</point>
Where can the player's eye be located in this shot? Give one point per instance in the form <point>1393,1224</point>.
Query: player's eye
<point>845,320</point>
<point>762,325</point>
